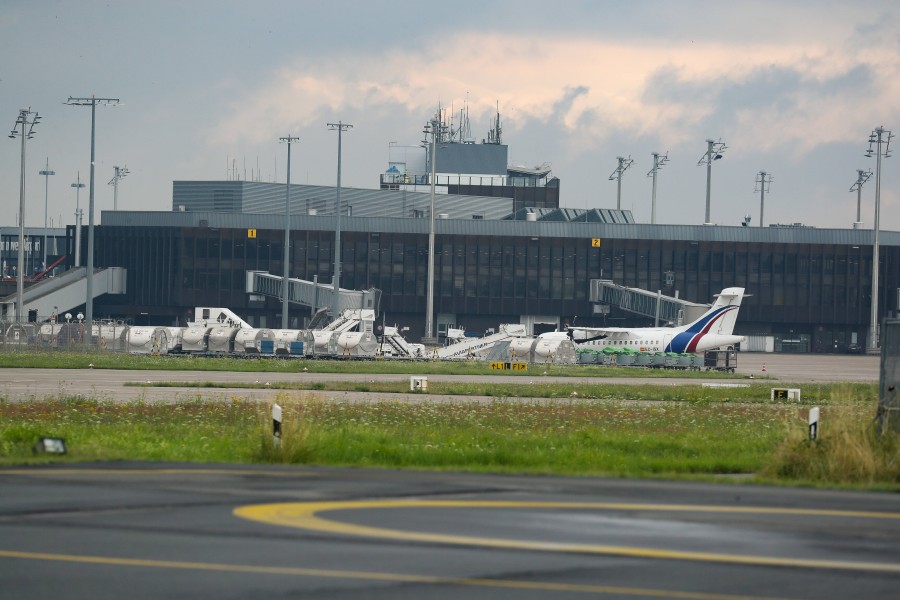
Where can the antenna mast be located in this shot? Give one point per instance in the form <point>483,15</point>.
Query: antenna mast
<point>495,134</point>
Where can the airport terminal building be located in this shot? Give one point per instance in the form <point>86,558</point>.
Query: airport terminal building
<point>809,289</point>
<point>505,252</point>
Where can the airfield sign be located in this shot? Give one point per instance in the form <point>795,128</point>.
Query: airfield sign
<point>509,366</point>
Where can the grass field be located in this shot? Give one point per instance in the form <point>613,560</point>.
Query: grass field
<point>581,437</point>
<point>675,439</point>
<point>671,431</point>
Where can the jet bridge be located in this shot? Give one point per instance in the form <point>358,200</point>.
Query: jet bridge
<point>65,292</point>
<point>313,293</point>
<point>674,311</point>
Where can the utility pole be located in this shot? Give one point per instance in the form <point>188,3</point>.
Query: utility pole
<point>46,173</point>
<point>657,164</point>
<point>285,287</point>
<point>763,182</point>
<point>436,129</point>
<point>714,151</point>
<point>336,279</point>
<point>120,173</point>
<point>880,145</point>
<point>78,212</point>
<point>861,178</point>
<point>23,127</point>
<point>91,101</point>
<point>616,175</point>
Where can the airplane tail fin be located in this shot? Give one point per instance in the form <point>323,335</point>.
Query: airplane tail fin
<point>721,317</point>
<point>714,328</point>
<point>733,297</point>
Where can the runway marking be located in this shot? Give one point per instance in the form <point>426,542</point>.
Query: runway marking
<point>37,472</point>
<point>377,576</point>
<point>304,515</point>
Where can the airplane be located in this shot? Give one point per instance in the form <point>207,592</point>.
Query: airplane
<point>712,330</point>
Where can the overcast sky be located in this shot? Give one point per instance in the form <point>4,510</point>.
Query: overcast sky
<point>792,88</point>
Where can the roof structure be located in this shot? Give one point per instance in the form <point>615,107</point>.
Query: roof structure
<point>497,227</point>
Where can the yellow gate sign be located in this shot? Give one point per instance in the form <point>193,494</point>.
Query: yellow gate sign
<point>251,233</point>
<point>595,242</point>
<point>509,366</point>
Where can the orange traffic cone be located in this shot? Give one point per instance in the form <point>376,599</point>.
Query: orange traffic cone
<point>764,368</point>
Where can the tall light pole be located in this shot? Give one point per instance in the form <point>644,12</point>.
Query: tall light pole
<point>880,144</point>
<point>624,163</point>
<point>435,128</point>
<point>119,174</point>
<point>287,233</point>
<point>78,212</point>
<point>340,127</point>
<point>23,127</point>
<point>46,173</point>
<point>92,101</point>
<point>657,164</point>
<point>861,178</point>
<point>714,151</point>
<point>763,183</point>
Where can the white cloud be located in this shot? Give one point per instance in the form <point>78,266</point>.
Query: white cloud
<point>791,87</point>
<point>535,74</point>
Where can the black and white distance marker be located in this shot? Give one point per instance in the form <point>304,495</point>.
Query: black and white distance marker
<point>276,423</point>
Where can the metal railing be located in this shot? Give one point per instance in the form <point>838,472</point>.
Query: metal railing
<point>396,179</point>
<point>643,302</point>
<point>312,294</point>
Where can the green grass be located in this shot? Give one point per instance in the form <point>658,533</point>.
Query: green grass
<point>576,438</point>
<point>548,437</point>
<point>848,450</point>
<point>578,428</point>
<point>104,430</point>
<point>691,440</point>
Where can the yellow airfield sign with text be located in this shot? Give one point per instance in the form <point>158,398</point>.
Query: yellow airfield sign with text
<point>509,366</point>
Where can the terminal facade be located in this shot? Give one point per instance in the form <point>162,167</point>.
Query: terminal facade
<point>809,288</point>
<point>505,252</point>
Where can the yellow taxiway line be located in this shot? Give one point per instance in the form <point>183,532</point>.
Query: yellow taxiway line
<point>377,576</point>
<point>305,515</point>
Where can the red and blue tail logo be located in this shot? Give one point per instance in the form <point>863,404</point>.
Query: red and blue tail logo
<point>687,340</point>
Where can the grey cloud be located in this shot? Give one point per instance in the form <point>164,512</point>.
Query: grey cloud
<point>774,86</point>
<point>767,87</point>
<point>562,106</point>
<point>666,86</point>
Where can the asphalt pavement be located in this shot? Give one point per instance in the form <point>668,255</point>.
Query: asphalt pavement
<point>220,531</point>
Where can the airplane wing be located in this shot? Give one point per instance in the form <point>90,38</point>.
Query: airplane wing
<point>593,334</point>
<point>600,330</point>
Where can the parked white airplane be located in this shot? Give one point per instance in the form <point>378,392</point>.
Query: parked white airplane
<point>713,330</point>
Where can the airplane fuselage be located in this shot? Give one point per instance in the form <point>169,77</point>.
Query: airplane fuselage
<point>712,330</point>
<point>660,339</point>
